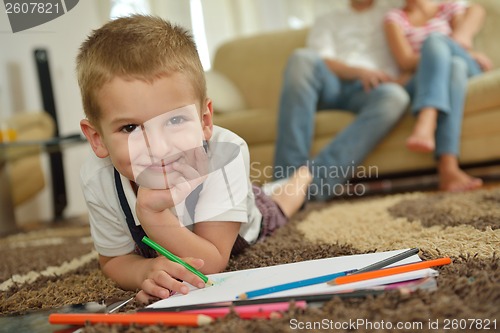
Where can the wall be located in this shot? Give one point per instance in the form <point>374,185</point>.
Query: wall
<point>19,91</point>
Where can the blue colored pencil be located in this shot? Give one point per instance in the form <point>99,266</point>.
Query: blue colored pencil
<point>292,285</point>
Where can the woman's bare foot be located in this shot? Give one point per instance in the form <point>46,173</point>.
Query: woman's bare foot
<point>422,138</point>
<point>454,179</point>
<point>291,195</point>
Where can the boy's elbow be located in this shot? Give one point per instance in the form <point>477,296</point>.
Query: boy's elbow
<point>215,266</point>
<point>105,269</point>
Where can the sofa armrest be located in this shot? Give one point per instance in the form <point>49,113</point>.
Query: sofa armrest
<point>482,92</point>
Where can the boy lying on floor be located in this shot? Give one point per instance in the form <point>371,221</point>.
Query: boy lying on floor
<point>161,168</point>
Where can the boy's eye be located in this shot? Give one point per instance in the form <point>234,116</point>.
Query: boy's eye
<point>129,128</point>
<point>176,120</point>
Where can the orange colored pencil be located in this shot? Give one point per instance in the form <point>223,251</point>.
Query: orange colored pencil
<point>389,271</point>
<point>169,319</point>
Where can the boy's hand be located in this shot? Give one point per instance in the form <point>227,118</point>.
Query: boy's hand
<point>188,173</point>
<point>161,279</point>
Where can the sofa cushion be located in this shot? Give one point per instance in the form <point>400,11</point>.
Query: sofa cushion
<point>254,126</point>
<point>259,126</point>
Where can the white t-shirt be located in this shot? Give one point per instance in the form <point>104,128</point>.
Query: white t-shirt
<point>226,196</point>
<point>355,38</point>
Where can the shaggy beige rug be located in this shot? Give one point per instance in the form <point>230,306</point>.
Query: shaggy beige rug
<point>48,268</point>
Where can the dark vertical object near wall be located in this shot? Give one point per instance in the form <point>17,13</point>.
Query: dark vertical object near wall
<point>56,162</point>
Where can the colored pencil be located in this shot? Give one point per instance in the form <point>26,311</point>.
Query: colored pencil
<point>169,319</point>
<point>292,285</point>
<point>325,278</point>
<point>269,310</point>
<point>386,262</point>
<point>169,255</point>
<point>310,299</point>
<point>389,271</point>
<point>261,315</point>
<point>266,314</point>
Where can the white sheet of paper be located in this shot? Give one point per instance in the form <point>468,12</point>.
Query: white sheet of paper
<point>229,285</point>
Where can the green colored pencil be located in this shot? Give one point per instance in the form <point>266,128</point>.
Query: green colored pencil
<point>169,255</point>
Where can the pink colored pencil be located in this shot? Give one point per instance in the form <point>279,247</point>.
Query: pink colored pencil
<point>267,310</point>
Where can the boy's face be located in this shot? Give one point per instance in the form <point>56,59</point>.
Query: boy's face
<point>150,129</point>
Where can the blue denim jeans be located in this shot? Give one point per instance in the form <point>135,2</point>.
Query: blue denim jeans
<point>441,82</point>
<point>309,86</point>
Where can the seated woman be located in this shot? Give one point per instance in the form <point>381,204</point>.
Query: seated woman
<point>431,42</point>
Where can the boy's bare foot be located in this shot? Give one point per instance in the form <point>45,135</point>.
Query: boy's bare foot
<point>422,138</point>
<point>291,194</point>
<point>454,179</point>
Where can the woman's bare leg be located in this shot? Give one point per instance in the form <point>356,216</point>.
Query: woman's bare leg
<point>422,138</point>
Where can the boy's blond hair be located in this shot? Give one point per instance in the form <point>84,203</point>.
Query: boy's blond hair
<point>137,47</point>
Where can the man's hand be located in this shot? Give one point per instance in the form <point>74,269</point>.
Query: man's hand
<point>372,78</point>
<point>162,279</point>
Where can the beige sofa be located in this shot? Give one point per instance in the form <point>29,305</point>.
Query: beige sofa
<point>253,67</point>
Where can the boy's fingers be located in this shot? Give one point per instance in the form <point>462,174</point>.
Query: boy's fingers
<point>190,277</point>
<point>195,262</point>
<point>162,285</point>
<point>178,272</point>
<point>186,170</point>
<point>150,287</point>
<point>180,191</point>
<point>201,161</point>
<point>144,297</point>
